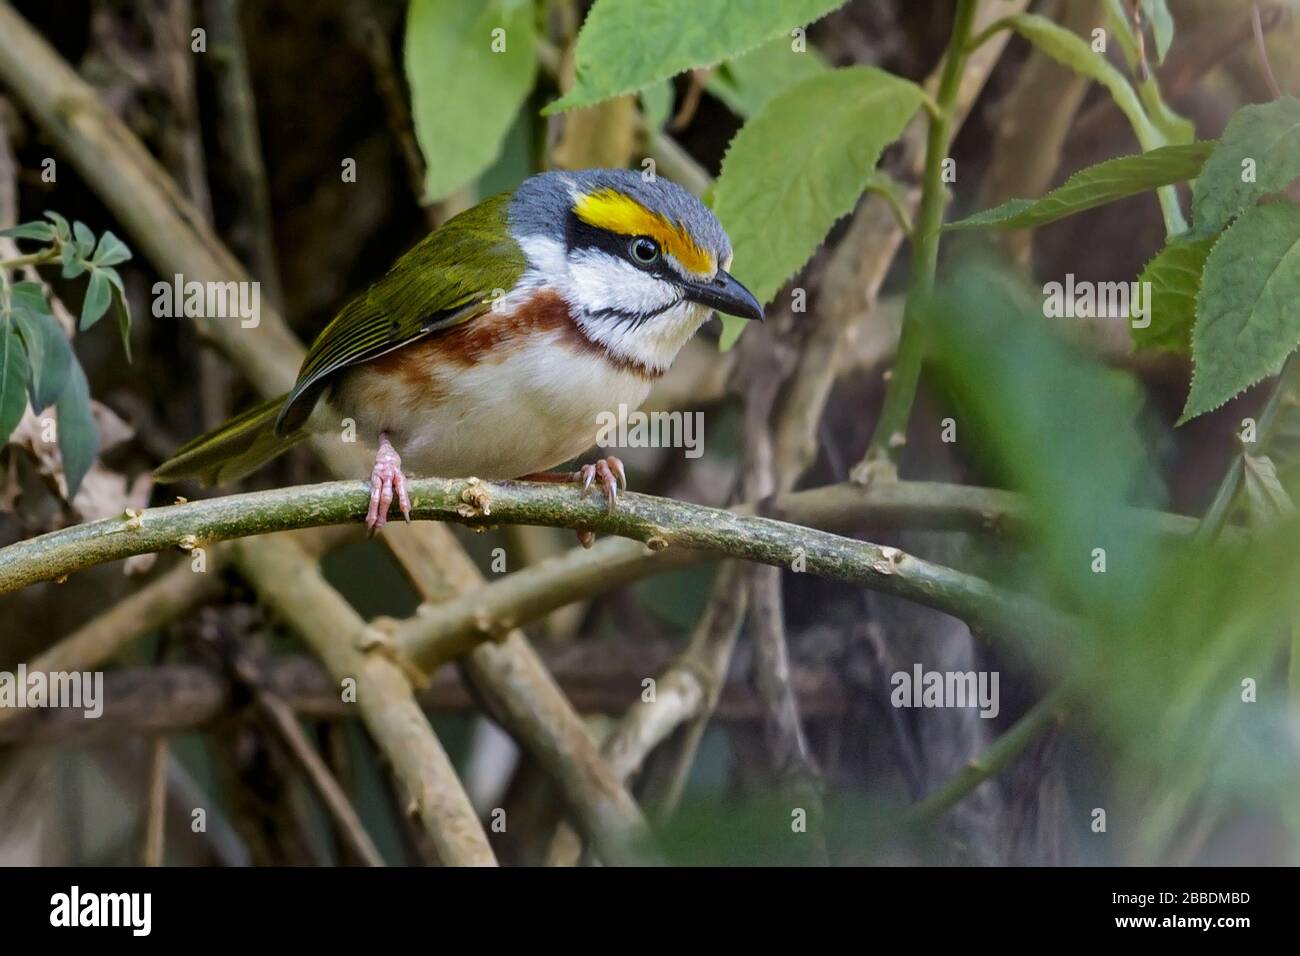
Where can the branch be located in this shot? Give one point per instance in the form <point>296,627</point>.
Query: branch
<point>891,428</point>
<point>288,580</point>
<point>858,266</point>
<point>659,522</point>
<point>1042,716</point>
<point>600,677</point>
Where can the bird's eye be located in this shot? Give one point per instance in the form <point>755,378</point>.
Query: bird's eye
<point>644,250</point>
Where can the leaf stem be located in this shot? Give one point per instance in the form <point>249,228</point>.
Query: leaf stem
<point>1285,391</point>
<point>890,435</point>
<point>31,259</point>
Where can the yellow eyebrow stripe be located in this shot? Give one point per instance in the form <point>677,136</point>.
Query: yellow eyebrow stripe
<point>610,209</point>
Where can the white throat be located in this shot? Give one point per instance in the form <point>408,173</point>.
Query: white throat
<point>594,284</point>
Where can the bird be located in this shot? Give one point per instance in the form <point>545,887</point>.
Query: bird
<point>492,347</point>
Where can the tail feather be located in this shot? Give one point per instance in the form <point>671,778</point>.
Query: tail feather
<point>238,447</point>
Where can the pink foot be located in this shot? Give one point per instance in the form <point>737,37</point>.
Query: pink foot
<point>612,476</point>
<point>386,481</point>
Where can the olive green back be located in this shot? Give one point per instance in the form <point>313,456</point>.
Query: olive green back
<point>448,278</point>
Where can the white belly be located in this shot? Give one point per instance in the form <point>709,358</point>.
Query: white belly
<point>528,411</point>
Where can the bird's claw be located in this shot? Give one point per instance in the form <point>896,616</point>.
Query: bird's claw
<point>612,476</point>
<point>386,482</point>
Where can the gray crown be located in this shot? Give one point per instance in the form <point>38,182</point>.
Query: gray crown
<point>541,204</point>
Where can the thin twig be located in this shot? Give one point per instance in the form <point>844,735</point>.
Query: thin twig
<point>287,579</point>
<point>1257,25</point>
<point>1040,718</point>
<point>281,717</point>
<point>156,812</point>
<point>890,433</point>
<point>252,232</point>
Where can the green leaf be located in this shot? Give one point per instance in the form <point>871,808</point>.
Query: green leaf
<point>625,46</point>
<point>98,294</point>
<point>123,307</point>
<point>800,165</point>
<point>1268,500</point>
<point>1095,186</point>
<point>657,104</point>
<point>1175,277</point>
<point>111,251</point>
<point>747,82</point>
<point>78,439</point>
<point>1258,154</point>
<point>464,96</point>
<point>73,265</point>
<point>42,231</point>
<point>1071,50</point>
<point>48,352</point>
<point>13,381</point>
<point>84,238</point>
<point>60,225</point>
<point>1247,320</point>
<point>30,294</point>
<point>1162,25</point>
<point>1076,451</point>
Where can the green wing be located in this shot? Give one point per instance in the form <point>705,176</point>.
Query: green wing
<point>448,278</point>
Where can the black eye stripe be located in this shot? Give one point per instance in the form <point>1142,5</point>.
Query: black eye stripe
<point>583,235</point>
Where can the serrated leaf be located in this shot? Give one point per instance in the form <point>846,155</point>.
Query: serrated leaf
<point>48,354</point>
<point>41,231</point>
<point>1071,50</point>
<point>84,238</point>
<point>111,251</point>
<point>78,439</point>
<point>746,83</point>
<point>624,47</point>
<point>60,225</point>
<point>1175,277</point>
<point>1247,321</point>
<point>13,380</point>
<point>98,294</point>
<point>1266,137</point>
<point>800,165</point>
<point>464,96</point>
<point>1268,500</point>
<point>1095,186</point>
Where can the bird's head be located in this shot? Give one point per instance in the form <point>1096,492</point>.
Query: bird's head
<point>641,262</point>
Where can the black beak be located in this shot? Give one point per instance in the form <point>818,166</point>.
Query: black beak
<point>727,295</point>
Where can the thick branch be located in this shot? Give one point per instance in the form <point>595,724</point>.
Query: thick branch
<point>288,580</point>
<point>658,522</point>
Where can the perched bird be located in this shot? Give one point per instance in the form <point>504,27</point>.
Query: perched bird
<point>493,345</point>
